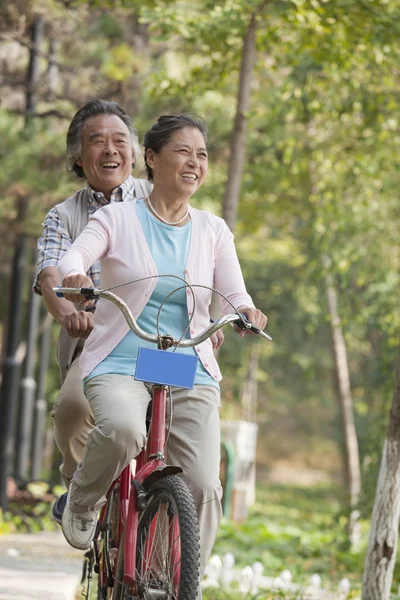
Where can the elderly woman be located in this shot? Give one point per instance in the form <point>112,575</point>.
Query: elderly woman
<point>161,233</point>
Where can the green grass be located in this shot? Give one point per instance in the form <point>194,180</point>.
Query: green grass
<point>300,529</point>
<point>214,594</point>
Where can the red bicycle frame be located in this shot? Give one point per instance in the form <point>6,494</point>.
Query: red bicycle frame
<point>150,459</point>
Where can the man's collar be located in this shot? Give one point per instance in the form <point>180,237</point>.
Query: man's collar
<point>121,193</point>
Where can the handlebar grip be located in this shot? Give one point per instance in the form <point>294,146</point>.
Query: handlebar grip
<point>89,293</point>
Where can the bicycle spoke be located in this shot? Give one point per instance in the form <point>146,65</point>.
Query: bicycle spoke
<point>167,549</point>
<point>157,569</point>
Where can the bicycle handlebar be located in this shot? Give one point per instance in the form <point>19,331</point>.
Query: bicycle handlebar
<point>240,321</point>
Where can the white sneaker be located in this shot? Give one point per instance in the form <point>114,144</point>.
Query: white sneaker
<point>78,529</point>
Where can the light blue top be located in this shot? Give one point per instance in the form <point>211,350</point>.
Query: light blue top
<point>169,247</point>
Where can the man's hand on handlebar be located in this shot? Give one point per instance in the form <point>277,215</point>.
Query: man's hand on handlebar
<point>78,281</point>
<point>255,316</point>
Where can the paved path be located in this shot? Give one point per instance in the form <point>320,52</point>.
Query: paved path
<point>38,567</point>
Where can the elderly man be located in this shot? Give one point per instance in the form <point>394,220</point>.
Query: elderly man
<point>102,147</point>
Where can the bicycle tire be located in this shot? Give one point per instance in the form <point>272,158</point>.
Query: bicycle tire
<point>169,497</point>
<point>107,549</point>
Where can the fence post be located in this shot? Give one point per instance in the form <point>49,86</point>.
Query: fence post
<point>28,389</point>
<point>242,435</point>
<point>10,367</point>
<point>39,419</point>
<point>229,478</point>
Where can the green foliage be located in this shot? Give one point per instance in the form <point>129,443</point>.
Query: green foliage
<point>300,529</point>
<point>321,178</point>
<point>30,510</point>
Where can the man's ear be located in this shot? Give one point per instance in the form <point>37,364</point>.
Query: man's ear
<point>78,162</point>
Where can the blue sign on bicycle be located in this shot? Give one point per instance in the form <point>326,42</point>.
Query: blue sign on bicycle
<point>166,368</point>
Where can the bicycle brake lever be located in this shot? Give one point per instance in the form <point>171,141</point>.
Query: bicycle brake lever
<point>252,327</point>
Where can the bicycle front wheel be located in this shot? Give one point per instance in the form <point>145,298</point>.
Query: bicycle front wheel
<point>168,547</point>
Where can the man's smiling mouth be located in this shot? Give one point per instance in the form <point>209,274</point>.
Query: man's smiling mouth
<point>110,165</point>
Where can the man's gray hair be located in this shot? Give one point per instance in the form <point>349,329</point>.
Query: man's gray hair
<point>74,134</point>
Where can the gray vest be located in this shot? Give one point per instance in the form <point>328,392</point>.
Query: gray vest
<point>75,215</point>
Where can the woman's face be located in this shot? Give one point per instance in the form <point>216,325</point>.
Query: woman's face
<point>181,165</point>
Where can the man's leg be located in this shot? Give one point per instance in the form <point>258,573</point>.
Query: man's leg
<point>194,445</point>
<point>72,420</point>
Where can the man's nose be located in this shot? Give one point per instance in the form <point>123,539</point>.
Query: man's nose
<point>109,148</point>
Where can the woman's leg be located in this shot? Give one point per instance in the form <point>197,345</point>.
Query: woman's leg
<point>119,405</point>
<point>194,445</point>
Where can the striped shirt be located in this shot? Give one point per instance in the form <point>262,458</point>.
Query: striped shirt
<point>55,239</point>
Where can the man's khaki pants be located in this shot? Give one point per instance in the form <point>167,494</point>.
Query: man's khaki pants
<point>119,405</point>
<point>72,421</point>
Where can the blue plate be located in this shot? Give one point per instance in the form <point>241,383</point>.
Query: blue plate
<point>166,368</point>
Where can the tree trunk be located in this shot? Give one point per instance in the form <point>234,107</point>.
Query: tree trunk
<point>230,200</point>
<point>346,406</point>
<point>381,554</point>
<point>250,385</point>
<point>33,67</point>
<point>238,140</point>
<point>351,451</point>
<point>52,70</point>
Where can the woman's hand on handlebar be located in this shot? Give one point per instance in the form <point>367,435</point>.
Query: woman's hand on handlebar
<point>217,339</point>
<point>255,316</point>
<point>78,281</point>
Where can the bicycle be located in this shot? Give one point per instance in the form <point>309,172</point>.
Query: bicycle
<point>146,544</point>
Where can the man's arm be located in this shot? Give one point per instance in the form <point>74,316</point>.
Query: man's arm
<point>57,307</point>
<point>77,323</point>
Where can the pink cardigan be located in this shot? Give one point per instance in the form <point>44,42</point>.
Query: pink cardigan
<point>114,235</point>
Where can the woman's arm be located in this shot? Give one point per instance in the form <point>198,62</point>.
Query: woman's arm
<point>229,280</point>
<point>91,245</point>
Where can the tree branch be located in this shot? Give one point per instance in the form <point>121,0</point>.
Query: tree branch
<point>26,43</point>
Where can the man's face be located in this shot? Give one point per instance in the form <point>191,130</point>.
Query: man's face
<point>107,153</point>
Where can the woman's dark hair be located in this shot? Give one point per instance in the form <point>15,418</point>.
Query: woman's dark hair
<point>74,134</point>
<point>161,132</point>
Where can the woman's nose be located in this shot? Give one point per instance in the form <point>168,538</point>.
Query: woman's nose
<point>193,161</point>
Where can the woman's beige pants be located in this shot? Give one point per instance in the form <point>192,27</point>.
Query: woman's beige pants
<point>119,405</point>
